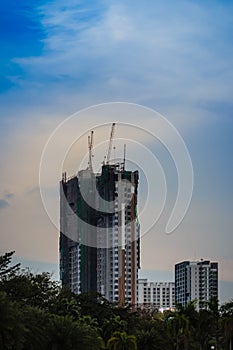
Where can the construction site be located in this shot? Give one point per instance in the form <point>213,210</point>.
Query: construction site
<point>99,229</point>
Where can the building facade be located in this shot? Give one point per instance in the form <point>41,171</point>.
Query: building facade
<point>196,280</point>
<point>156,295</point>
<point>99,238</point>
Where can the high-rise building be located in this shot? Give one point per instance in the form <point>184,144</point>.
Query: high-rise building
<point>156,295</point>
<point>196,280</point>
<point>99,239</point>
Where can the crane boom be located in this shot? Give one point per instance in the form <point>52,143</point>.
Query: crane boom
<point>90,146</point>
<point>110,143</point>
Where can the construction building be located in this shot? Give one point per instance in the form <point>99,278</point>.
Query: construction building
<point>196,280</point>
<point>156,295</point>
<point>99,238</point>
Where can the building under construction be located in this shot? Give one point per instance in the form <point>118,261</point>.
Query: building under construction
<point>99,238</point>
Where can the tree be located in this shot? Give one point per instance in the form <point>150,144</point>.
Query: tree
<point>63,306</point>
<point>114,323</point>
<point>36,328</point>
<point>226,323</point>
<point>183,324</point>
<point>122,341</point>
<point>204,329</point>
<point>96,306</point>
<point>5,269</point>
<point>28,289</point>
<point>227,309</point>
<point>227,330</point>
<point>11,326</point>
<point>178,328</point>
<point>147,339</point>
<point>129,316</point>
<point>152,333</point>
<point>67,334</point>
<point>213,308</point>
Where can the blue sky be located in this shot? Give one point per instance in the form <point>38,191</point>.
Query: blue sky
<point>175,57</point>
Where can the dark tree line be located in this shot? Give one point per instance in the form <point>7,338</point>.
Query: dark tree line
<point>36,313</point>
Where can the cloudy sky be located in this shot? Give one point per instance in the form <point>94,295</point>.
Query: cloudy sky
<point>175,57</point>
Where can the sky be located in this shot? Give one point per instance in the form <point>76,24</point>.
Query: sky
<point>175,57</point>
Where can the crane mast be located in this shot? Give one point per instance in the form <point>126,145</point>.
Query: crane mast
<point>90,146</point>
<point>124,157</point>
<point>110,143</point>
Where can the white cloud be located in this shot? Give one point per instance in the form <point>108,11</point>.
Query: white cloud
<point>145,52</point>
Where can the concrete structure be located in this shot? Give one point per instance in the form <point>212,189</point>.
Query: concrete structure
<point>99,239</point>
<point>196,280</point>
<point>156,295</point>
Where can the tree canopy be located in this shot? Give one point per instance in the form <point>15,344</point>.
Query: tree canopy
<point>37,313</point>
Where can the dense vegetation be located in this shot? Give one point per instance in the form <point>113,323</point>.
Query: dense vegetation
<point>36,313</point>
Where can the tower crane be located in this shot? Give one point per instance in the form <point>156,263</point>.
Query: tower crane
<point>110,143</point>
<point>90,146</point>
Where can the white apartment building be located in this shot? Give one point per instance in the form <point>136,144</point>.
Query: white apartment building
<point>158,295</point>
<point>119,247</point>
<point>196,280</point>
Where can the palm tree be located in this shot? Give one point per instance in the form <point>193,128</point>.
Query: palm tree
<point>178,327</point>
<point>114,323</point>
<point>227,326</point>
<point>204,328</point>
<point>147,339</point>
<point>213,308</point>
<point>65,333</point>
<point>226,322</point>
<point>122,341</point>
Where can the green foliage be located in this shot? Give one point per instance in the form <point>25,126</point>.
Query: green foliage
<point>226,309</point>
<point>122,341</point>
<point>114,323</point>
<point>95,305</point>
<point>152,339</point>
<point>64,304</point>
<point>5,269</point>
<point>36,313</point>
<point>29,289</point>
<point>226,324</point>
<point>11,325</point>
<point>36,325</point>
<point>65,333</point>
